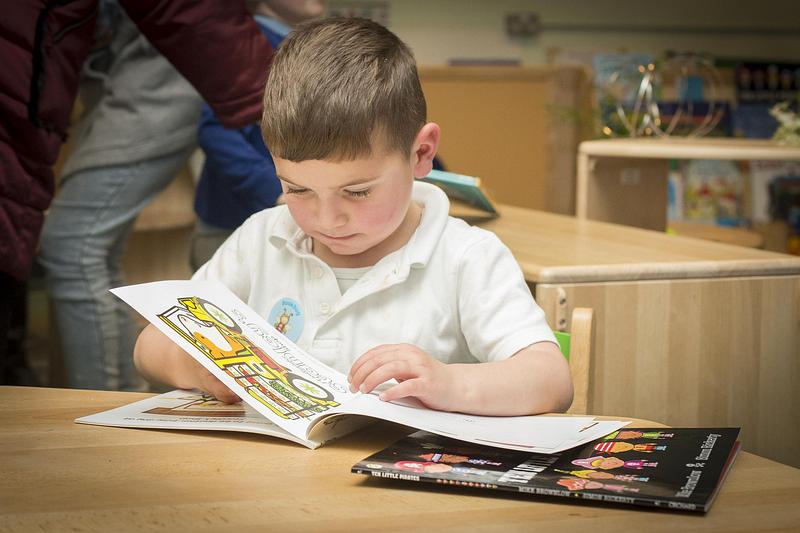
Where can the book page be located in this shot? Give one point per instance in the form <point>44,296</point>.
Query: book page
<point>182,409</point>
<point>541,434</point>
<point>267,370</point>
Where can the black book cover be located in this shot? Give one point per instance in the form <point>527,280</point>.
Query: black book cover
<point>671,468</point>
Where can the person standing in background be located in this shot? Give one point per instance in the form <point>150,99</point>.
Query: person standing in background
<point>136,132</point>
<point>238,178</point>
<point>43,45</point>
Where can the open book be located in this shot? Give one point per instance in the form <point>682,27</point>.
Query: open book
<point>290,394</point>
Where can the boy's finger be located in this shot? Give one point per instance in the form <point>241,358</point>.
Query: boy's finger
<point>369,364</point>
<point>397,369</point>
<point>366,356</point>
<point>219,390</point>
<point>406,389</point>
<point>367,368</point>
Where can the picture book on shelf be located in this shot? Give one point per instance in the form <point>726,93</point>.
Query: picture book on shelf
<point>298,397</point>
<point>713,192</point>
<point>670,468</point>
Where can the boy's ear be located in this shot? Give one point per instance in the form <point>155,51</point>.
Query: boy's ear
<point>424,149</point>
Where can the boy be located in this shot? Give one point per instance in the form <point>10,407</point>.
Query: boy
<point>362,267</point>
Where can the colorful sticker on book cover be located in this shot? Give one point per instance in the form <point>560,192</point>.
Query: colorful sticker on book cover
<point>617,446</point>
<point>597,474</point>
<point>430,467</point>
<point>609,463</point>
<point>455,459</point>
<point>627,434</point>
<point>288,318</point>
<point>220,338</point>
<point>588,484</point>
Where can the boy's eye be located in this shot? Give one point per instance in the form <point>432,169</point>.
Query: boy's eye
<point>295,190</point>
<point>363,193</point>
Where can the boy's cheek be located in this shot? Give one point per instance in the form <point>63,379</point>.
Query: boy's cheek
<point>376,219</point>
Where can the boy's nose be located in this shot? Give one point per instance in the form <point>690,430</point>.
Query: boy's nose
<point>330,215</point>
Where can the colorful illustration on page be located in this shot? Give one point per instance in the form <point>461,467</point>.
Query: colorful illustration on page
<point>201,405</point>
<point>219,337</point>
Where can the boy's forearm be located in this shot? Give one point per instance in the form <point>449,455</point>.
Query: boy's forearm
<point>534,380</point>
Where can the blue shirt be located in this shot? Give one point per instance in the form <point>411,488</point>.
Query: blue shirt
<point>238,177</point>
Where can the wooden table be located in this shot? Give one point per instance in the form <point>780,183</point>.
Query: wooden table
<point>713,232</point>
<point>625,180</point>
<point>688,331</point>
<point>62,476</point>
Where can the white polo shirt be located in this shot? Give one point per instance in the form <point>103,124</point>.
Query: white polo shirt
<point>453,290</point>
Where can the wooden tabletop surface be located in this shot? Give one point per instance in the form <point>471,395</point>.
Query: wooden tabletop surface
<point>56,475</point>
<point>553,248</point>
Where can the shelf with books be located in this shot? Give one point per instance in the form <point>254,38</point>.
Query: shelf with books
<point>625,181</point>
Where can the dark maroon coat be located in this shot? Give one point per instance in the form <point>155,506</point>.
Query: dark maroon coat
<point>215,44</point>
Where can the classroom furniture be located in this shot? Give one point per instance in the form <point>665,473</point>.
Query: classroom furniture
<point>625,180</point>
<point>713,232</point>
<point>62,476</point>
<point>515,127</point>
<point>577,346</point>
<point>688,332</point>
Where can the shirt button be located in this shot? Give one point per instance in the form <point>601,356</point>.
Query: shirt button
<point>318,272</point>
<point>324,308</point>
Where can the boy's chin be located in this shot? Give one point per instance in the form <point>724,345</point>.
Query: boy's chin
<point>346,250</point>
<point>346,247</point>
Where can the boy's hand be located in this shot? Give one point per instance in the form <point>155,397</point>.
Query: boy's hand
<point>160,360</point>
<point>198,377</point>
<point>432,382</point>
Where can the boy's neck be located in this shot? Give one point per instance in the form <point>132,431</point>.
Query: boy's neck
<point>370,257</point>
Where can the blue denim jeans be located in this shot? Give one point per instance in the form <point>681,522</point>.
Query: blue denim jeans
<point>82,243</point>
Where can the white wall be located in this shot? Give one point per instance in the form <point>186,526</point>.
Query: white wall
<point>439,30</point>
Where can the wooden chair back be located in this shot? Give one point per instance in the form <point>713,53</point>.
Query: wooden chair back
<point>577,346</point>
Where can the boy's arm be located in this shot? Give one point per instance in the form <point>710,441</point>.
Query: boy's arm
<point>534,380</point>
<point>162,361</point>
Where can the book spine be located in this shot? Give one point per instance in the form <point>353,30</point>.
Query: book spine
<point>426,479</point>
<point>642,502</point>
<point>612,498</point>
<point>538,491</point>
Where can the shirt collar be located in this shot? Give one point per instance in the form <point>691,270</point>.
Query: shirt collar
<point>419,249</point>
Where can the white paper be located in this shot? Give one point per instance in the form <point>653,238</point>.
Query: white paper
<point>188,410</point>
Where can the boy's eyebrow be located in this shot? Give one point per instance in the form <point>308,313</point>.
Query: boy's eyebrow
<point>359,181</point>
<point>287,180</point>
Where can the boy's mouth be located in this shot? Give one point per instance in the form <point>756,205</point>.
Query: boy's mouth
<point>336,238</point>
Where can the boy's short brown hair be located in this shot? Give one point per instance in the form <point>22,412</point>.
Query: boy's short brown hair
<point>336,85</point>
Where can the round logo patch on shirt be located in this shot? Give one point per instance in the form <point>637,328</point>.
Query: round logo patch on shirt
<point>287,317</point>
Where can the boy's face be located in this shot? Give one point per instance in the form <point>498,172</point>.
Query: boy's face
<point>356,211</point>
<point>349,208</point>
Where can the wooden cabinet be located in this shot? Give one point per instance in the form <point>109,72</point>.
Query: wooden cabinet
<point>515,127</point>
<point>691,332</point>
